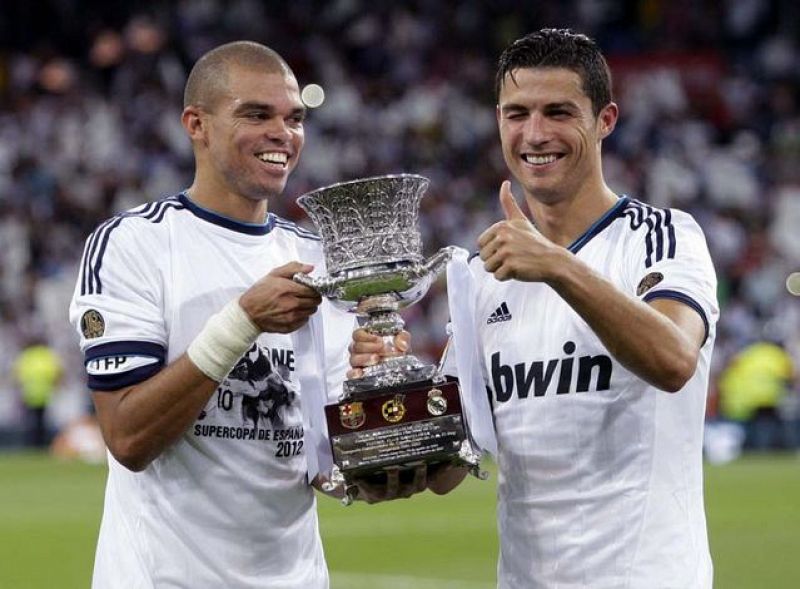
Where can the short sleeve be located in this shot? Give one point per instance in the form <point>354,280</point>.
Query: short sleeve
<point>117,305</point>
<point>672,261</point>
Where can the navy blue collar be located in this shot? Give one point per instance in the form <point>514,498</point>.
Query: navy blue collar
<point>227,222</point>
<point>599,225</point>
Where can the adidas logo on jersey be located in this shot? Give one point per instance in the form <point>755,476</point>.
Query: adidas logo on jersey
<point>500,314</point>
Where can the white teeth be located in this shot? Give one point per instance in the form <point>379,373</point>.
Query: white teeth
<point>274,157</point>
<point>539,159</point>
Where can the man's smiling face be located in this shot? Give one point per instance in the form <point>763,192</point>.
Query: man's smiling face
<point>548,131</point>
<point>255,132</point>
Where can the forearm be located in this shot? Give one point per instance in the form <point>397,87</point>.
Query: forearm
<point>644,340</point>
<point>142,421</point>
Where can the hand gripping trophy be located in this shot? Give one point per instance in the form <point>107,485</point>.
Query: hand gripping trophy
<point>402,413</point>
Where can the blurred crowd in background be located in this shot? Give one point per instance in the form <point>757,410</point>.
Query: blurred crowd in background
<point>709,92</point>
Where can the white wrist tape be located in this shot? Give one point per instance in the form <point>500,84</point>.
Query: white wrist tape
<point>225,338</point>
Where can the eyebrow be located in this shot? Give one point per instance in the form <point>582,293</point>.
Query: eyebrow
<point>569,105</point>
<point>267,108</point>
<point>515,107</point>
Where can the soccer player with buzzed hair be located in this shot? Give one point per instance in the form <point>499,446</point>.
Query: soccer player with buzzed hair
<point>596,325</point>
<point>184,308</point>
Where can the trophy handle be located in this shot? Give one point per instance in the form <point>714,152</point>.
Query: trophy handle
<point>436,262</point>
<point>325,286</point>
<point>337,481</point>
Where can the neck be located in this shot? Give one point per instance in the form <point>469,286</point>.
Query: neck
<point>227,203</point>
<point>565,220</point>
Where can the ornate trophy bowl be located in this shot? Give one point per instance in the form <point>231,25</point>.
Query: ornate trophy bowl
<point>401,413</point>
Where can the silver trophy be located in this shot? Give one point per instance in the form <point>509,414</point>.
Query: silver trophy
<point>402,412</point>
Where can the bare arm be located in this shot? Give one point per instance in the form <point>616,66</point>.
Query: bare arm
<point>659,342</point>
<point>141,421</point>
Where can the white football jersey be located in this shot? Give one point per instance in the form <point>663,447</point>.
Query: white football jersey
<point>600,482</point>
<point>227,505</point>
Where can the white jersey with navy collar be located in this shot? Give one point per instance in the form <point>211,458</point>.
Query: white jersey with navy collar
<point>600,481</point>
<point>227,505</point>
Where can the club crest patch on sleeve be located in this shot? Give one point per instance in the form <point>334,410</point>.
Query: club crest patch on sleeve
<point>92,324</point>
<point>649,282</point>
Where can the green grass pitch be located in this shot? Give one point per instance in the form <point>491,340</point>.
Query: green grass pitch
<point>50,510</point>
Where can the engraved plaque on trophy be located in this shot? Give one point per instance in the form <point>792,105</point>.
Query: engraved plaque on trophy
<point>402,413</point>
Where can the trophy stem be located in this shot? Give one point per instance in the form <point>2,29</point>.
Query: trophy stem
<point>385,323</point>
<point>382,317</point>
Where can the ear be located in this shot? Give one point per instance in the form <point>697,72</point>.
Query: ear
<point>193,120</point>
<point>607,120</point>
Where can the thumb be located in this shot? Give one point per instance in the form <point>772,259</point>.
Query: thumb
<point>402,341</point>
<point>509,203</point>
<point>290,269</point>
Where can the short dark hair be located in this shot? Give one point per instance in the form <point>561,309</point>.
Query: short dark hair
<point>209,76</point>
<point>559,48</point>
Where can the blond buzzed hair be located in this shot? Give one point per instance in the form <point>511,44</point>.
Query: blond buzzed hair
<point>208,79</point>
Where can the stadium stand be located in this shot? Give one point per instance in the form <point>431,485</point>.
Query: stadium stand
<point>89,126</point>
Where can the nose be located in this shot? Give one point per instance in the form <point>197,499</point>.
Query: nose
<point>277,130</point>
<point>537,129</point>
